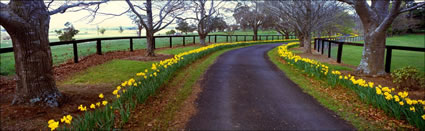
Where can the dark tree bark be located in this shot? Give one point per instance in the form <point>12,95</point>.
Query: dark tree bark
<point>27,22</point>
<point>376,19</point>
<point>28,26</point>
<point>255,30</point>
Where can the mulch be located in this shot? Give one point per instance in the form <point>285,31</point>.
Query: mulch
<point>27,117</point>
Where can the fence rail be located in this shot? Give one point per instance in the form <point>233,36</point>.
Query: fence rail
<point>319,45</point>
<point>131,44</point>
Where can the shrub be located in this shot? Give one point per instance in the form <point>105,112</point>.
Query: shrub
<point>408,78</point>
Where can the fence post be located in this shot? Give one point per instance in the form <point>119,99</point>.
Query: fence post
<point>227,38</point>
<point>272,37</point>
<point>236,38</point>
<point>267,37</point>
<point>244,39</point>
<point>259,36</point>
<point>98,47</point>
<point>323,45</point>
<point>314,44</point>
<point>339,54</point>
<point>74,45</point>
<point>329,49</point>
<point>184,41</point>
<point>131,44</point>
<point>215,38</point>
<point>171,42</point>
<point>388,60</point>
<point>209,39</point>
<point>193,39</point>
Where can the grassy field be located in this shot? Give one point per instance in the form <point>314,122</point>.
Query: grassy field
<point>64,53</point>
<point>352,54</point>
<point>116,71</point>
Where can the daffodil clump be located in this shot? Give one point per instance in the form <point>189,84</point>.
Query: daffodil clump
<point>396,104</point>
<point>101,115</point>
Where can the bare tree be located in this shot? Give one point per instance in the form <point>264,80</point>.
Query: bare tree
<point>252,15</point>
<point>167,13</point>
<point>205,16</point>
<point>376,19</point>
<point>27,22</point>
<point>305,16</point>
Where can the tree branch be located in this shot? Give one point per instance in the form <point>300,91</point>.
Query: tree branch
<point>421,4</point>
<point>9,18</point>
<point>137,14</point>
<point>64,7</point>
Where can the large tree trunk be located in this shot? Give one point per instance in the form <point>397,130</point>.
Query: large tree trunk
<point>150,43</point>
<point>287,35</point>
<point>255,33</point>
<point>372,62</point>
<point>149,30</point>
<point>301,39</point>
<point>35,83</point>
<point>307,43</point>
<point>202,38</point>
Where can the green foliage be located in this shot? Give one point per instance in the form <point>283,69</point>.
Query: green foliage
<point>184,27</point>
<point>121,29</point>
<point>67,33</point>
<point>408,78</point>
<point>170,32</point>
<point>102,30</point>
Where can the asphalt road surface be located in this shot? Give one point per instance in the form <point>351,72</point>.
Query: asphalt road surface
<point>243,90</point>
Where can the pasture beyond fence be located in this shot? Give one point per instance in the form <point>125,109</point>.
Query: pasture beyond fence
<point>323,45</point>
<point>193,38</point>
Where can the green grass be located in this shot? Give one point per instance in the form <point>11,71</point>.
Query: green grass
<point>118,70</point>
<point>111,72</point>
<point>63,53</point>
<point>189,76</point>
<point>175,51</point>
<point>312,89</point>
<point>352,54</point>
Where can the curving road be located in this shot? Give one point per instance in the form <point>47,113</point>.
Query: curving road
<point>243,90</point>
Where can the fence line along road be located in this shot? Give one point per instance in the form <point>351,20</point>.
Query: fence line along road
<point>99,41</point>
<point>319,45</point>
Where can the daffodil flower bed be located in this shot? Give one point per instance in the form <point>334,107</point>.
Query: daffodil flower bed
<point>101,115</point>
<point>394,104</point>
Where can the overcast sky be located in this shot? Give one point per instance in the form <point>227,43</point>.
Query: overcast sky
<point>58,20</point>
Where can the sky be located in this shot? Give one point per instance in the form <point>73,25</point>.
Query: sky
<point>116,7</point>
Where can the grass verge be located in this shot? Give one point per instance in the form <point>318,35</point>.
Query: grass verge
<point>342,101</point>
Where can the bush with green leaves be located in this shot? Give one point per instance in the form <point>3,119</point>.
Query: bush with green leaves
<point>67,33</point>
<point>408,78</point>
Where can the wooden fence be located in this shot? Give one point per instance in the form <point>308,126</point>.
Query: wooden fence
<point>319,45</point>
<point>99,41</point>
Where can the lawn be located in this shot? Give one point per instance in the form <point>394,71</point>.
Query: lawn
<point>116,71</point>
<point>352,54</point>
<point>64,53</point>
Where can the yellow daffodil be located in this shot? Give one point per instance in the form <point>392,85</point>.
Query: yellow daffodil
<point>412,109</point>
<point>97,104</point>
<point>81,108</point>
<point>115,92</point>
<point>104,103</point>
<point>401,103</point>
<point>92,106</point>
<point>66,119</point>
<point>53,124</point>
<point>101,95</point>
